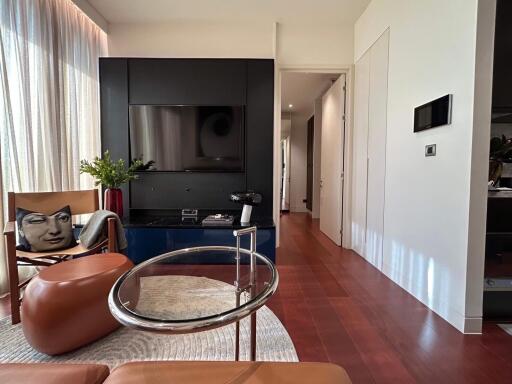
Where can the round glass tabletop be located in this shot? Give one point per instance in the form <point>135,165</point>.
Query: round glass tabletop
<point>193,289</point>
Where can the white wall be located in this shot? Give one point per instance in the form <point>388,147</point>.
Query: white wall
<point>431,53</point>
<point>92,14</point>
<point>191,39</point>
<point>316,44</point>
<point>298,161</point>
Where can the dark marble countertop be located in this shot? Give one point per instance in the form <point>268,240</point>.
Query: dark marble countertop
<point>500,194</point>
<point>173,219</point>
<point>164,221</point>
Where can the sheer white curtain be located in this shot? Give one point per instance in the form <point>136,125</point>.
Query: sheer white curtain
<point>49,107</point>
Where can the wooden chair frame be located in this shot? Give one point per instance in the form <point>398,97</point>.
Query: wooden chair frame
<point>81,202</point>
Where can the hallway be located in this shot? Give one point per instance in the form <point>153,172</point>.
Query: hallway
<point>339,308</point>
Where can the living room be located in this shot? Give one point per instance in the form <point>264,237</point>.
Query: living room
<point>141,178</point>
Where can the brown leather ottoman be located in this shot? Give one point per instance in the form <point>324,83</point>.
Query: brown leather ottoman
<point>53,373</point>
<point>191,372</point>
<point>65,306</point>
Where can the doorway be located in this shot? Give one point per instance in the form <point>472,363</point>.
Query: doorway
<point>305,98</point>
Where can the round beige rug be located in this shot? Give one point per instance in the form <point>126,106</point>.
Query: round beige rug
<point>125,344</point>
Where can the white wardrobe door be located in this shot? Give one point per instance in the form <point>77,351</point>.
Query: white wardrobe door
<point>360,153</point>
<point>377,127</point>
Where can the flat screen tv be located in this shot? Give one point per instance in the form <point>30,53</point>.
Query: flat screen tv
<point>188,138</point>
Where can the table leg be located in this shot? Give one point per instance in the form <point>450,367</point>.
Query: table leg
<point>253,336</point>
<point>237,330</point>
<point>251,288</point>
<point>237,295</point>
<point>253,294</point>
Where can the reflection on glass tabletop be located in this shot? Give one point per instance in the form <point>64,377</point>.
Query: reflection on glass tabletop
<point>192,285</point>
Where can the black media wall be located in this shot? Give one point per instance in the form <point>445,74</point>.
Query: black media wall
<point>246,82</point>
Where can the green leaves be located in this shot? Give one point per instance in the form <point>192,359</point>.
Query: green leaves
<point>500,152</point>
<point>501,148</point>
<point>109,173</point>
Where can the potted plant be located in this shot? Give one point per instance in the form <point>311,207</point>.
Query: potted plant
<point>500,152</point>
<point>111,175</point>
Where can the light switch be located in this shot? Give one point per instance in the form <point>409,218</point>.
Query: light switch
<point>430,150</point>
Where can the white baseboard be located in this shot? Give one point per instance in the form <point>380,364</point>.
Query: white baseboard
<point>466,325</point>
<point>473,326</point>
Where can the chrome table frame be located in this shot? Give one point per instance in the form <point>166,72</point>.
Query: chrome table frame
<point>251,288</point>
<point>131,319</point>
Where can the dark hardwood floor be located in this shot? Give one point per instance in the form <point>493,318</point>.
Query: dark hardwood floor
<point>339,308</point>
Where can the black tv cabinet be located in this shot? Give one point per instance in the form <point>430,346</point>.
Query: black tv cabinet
<point>245,82</point>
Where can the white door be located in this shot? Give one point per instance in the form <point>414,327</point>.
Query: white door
<point>285,157</point>
<point>369,152</point>
<point>360,154</point>
<point>331,169</point>
<point>377,129</point>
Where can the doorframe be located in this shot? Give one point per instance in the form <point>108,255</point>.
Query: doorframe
<point>348,70</point>
<point>310,160</point>
<point>285,180</point>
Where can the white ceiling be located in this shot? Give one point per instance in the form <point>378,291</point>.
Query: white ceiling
<point>301,89</point>
<point>304,11</point>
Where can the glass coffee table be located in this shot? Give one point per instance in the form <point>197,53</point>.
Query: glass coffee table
<point>196,289</point>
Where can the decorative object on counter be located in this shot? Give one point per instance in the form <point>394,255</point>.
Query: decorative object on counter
<point>111,175</point>
<point>189,212</point>
<point>218,219</point>
<point>189,216</point>
<point>249,199</point>
<point>500,152</point>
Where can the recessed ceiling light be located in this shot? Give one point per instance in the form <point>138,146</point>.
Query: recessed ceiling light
<point>290,106</point>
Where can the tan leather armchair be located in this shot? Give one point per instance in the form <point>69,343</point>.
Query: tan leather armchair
<point>81,202</point>
<point>172,372</point>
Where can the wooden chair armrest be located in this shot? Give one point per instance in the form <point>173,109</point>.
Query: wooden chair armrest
<point>10,227</point>
<point>111,233</point>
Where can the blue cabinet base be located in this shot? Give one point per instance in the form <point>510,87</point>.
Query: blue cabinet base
<point>145,242</point>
